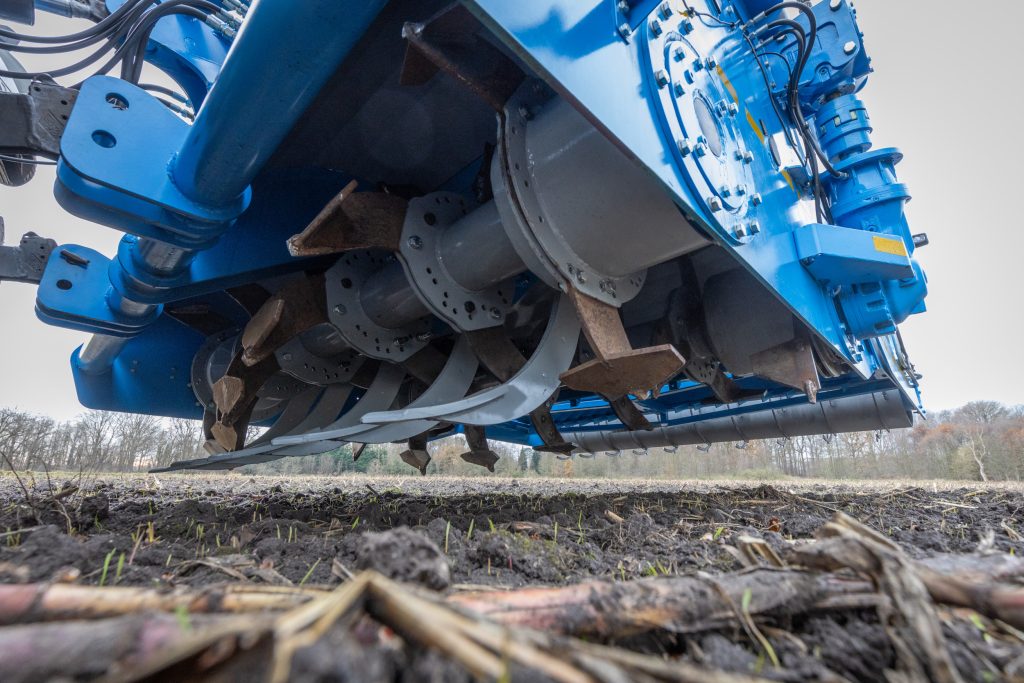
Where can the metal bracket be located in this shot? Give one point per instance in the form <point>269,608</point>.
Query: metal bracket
<point>345,310</point>
<point>427,219</point>
<point>352,220</point>
<point>33,122</point>
<point>27,261</point>
<point>448,42</point>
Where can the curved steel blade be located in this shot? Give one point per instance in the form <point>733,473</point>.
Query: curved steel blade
<point>379,396</point>
<point>454,381</point>
<point>528,388</point>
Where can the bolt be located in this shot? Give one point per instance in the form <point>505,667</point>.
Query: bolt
<point>608,287</point>
<point>748,157</point>
<point>286,356</point>
<point>687,26</point>
<point>423,336</point>
<point>738,155</point>
<point>700,150</point>
<point>655,27</point>
<point>741,190</point>
<point>850,47</point>
<point>661,78</point>
<point>400,341</point>
<point>665,10</point>
<point>714,203</point>
<point>340,310</point>
<point>624,30</point>
<point>581,277</point>
<point>755,199</point>
<point>711,63</point>
<point>678,53</point>
<point>733,109</point>
<point>835,5</point>
<point>495,314</point>
<point>415,242</point>
<point>724,191</point>
<point>623,6</point>
<point>677,89</point>
<point>754,227</point>
<point>684,147</point>
<point>525,113</point>
<point>740,231</point>
<point>698,65</point>
<point>688,76</point>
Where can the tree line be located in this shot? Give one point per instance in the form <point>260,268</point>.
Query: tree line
<point>983,440</point>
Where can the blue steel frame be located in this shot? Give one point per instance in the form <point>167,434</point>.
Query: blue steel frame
<point>143,170</point>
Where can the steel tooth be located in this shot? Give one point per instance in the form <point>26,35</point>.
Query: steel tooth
<point>357,450</point>
<point>792,364</point>
<point>417,455</point>
<point>629,414</point>
<point>479,452</point>
<point>545,427</point>
<point>235,395</point>
<point>529,388</point>
<point>330,403</point>
<point>618,368</point>
<point>353,220</point>
<point>297,307</point>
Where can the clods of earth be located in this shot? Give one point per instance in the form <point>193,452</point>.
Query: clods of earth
<point>448,537</point>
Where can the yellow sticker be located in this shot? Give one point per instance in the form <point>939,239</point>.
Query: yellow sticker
<point>888,245</point>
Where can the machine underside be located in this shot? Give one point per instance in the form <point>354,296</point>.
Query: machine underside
<point>578,225</point>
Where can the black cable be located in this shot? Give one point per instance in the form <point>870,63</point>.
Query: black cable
<point>110,20</point>
<point>140,33</point>
<point>138,28</point>
<point>768,87</point>
<point>118,34</point>
<point>33,162</point>
<point>692,12</point>
<point>165,91</point>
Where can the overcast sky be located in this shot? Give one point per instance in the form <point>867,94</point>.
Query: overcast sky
<point>946,91</point>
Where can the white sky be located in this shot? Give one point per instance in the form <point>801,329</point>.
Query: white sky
<point>946,92</point>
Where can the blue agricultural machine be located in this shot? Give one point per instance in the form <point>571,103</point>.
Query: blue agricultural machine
<point>580,225</point>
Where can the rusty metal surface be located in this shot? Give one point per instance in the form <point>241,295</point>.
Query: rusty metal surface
<point>545,427</point>
<point>297,307</point>
<point>449,42</point>
<point>352,220</point>
<point>629,414</point>
<point>496,352</point>
<point>479,452</point>
<point>617,369</point>
<point>791,364</point>
<point>636,372</point>
<point>235,395</point>
<point>416,455</point>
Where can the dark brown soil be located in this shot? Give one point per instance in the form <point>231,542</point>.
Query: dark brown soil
<point>502,533</point>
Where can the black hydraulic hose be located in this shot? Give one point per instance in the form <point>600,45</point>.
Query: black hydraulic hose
<point>190,7</point>
<point>132,70</point>
<point>108,21</point>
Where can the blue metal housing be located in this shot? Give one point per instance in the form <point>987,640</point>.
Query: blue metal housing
<point>696,96</point>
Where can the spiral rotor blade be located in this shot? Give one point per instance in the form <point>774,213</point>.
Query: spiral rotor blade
<point>527,389</point>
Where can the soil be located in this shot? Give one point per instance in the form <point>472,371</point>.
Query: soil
<point>453,534</point>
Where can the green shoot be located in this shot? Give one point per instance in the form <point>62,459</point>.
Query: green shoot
<point>106,567</point>
<point>310,572</point>
<point>119,569</point>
